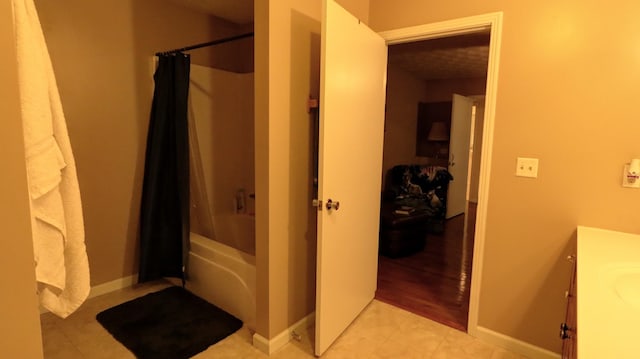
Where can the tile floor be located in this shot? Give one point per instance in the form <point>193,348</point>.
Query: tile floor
<point>381,331</point>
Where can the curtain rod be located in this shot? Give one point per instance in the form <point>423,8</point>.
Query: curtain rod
<point>205,44</point>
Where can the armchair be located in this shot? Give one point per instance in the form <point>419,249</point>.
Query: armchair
<point>413,204</point>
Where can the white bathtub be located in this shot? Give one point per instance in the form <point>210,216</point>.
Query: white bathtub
<point>223,276</point>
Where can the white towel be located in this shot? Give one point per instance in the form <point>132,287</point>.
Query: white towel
<point>62,268</point>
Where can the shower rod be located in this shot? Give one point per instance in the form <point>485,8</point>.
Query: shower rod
<point>205,44</point>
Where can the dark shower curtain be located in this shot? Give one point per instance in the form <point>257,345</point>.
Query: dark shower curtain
<point>164,210</point>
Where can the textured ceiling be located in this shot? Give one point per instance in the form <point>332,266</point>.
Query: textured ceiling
<point>458,57</point>
<point>468,62</point>
<point>237,11</point>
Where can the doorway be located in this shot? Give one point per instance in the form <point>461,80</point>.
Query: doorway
<point>330,246</point>
<point>428,110</point>
<point>440,274</point>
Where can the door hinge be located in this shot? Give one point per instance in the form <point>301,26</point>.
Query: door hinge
<point>565,330</point>
<point>311,103</point>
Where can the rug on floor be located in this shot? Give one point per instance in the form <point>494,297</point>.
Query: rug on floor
<point>171,323</point>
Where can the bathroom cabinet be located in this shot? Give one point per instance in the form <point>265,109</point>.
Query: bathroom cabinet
<point>568,332</point>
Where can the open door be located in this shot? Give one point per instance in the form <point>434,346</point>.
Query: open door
<point>459,144</point>
<point>352,98</point>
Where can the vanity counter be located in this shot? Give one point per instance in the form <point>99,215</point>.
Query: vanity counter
<point>608,294</point>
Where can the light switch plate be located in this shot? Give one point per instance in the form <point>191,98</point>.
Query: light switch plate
<point>625,179</point>
<point>527,167</point>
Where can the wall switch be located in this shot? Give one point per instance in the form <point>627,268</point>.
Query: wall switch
<point>527,167</point>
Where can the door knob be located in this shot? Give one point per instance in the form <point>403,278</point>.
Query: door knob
<point>332,205</point>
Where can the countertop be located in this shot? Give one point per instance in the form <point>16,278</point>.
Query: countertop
<point>608,294</point>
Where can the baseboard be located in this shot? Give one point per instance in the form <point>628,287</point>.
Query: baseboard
<point>107,287</point>
<point>271,346</point>
<point>517,346</point>
<point>113,285</point>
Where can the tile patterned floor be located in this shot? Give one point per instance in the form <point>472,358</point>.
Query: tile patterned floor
<point>381,331</point>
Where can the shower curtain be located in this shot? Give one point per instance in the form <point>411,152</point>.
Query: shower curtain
<point>164,211</point>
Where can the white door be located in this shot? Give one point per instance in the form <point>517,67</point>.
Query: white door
<point>352,98</point>
<point>459,145</point>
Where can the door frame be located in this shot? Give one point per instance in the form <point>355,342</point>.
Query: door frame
<point>492,22</point>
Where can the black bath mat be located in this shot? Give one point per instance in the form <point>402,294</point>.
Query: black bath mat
<point>171,324</point>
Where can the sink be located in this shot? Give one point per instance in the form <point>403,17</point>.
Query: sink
<point>624,281</point>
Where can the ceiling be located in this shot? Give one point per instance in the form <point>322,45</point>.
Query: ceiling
<point>457,57</point>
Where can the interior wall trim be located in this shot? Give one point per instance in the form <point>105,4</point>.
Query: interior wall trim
<point>492,22</point>
<point>112,286</point>
<point>270,346</point>
<point>515,345</point>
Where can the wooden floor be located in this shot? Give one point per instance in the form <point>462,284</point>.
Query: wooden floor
<point>433,283</point>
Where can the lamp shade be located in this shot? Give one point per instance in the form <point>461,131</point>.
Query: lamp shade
<point>438,132</point>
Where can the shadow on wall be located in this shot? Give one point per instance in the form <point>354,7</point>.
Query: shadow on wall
<point>304,83</point>
<point>549,293</point>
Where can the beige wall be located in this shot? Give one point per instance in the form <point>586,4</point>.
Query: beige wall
<point>404,92</point>
<point>102,55</point>
<point>20,322</point>
<point>443,90</point>
<point>287,72</point>
<point>293,74</point>
<point>566,95</point>
<point>262,158</point>
<point>359,8</point>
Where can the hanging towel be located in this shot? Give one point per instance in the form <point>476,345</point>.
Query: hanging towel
<point>62,268</point>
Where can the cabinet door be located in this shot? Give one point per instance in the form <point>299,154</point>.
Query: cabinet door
<point>570,340</point>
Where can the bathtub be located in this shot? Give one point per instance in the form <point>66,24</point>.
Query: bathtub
<point>224,276</point>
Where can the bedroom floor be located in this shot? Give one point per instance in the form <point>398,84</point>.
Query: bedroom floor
<point>434,283</point>
<point>381,331</point>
